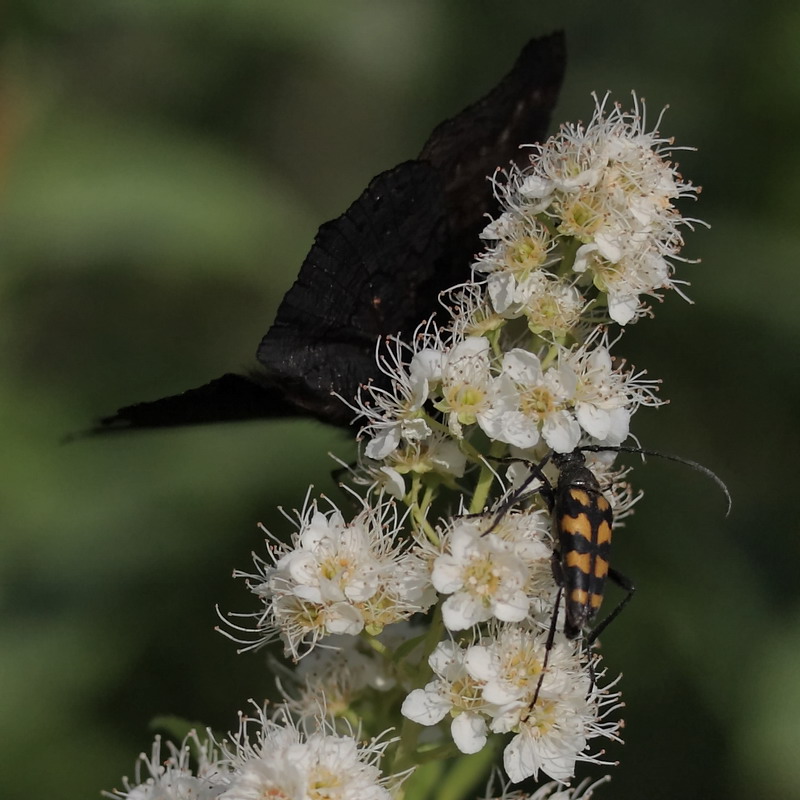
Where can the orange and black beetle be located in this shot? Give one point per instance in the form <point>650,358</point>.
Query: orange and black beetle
<point>583,522</point>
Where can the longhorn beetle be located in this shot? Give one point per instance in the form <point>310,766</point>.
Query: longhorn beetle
<point>584,524</point>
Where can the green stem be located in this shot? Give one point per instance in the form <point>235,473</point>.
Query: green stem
<point>419,510</point>
<point>413,493</point>
<point>485,479</point>
<point>376,645</point>
<point>569,250</point>
<point>467,771</point>
<point>405,754</point>
<point>551,356</point>
<point>472,453</point>
<point>494,340</point>
<point>432,638</point>
<point>421,514</point>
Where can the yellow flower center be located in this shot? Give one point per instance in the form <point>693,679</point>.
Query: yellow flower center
<point>581,216</point>
<point>537,402</point>
<point>526,255</point>
<point>481,578</point>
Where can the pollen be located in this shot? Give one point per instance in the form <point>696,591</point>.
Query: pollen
<point>542,718</point>
<point>524,668</point>
<point>538,401</point>
<point>465,401</point>
<point>465,693</point>
<point>482,578</point>
<point>582,216</point>
<point>526,254</point>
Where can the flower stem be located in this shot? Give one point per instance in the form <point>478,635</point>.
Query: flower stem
<point>485,479</point>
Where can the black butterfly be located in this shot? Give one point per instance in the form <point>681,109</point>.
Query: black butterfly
<point>378,268</point>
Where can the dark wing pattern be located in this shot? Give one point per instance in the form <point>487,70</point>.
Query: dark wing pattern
<point>379,268</point>
<point>226,399</point>
<point>368,273</point>
<point>468,148</point>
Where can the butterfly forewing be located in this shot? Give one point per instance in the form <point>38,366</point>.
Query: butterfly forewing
<point>378,268</point>
<point>491,134</point>
<point>367,275</point>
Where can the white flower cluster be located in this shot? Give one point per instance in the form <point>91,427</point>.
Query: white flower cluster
<point>173,778</point>
<point>521,369</point>
<point>499,586</point>
<point>346,671</point>
<point>337,577</point>
<point>556,398</point>
<point>595,206</point>
<point>265,758</point>
<point>493,578</point>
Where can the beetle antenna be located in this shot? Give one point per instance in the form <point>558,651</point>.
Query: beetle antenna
<point>596,448</point>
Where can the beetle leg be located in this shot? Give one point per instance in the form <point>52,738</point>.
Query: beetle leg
<point>624,583</point>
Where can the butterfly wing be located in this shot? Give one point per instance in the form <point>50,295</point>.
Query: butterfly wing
<point>378,268</point>
<point>369,273</point>
<point>226,399</point>
<point>488,134</point>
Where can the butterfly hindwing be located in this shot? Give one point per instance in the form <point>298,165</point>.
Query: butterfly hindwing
<point>226,399</point>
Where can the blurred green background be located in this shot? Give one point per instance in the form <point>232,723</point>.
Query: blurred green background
<point>163,169</point>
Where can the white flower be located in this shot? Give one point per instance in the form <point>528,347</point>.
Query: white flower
<point>550,791</point>
<point>510,682</point>
<point>634,229</point>
<point>453,692</point>
<point>391,481</point>
<point>556,791</point>
<point>509,662</point>
<point>624,274</point>
<point>271,759</point>
<point>616,489</point>
<point>395,414</point>
<point>337,577</point>
<point>172,778</point>
<point>484,577</point>
<point>467,391</point>
<point>550,304</point>
<point>527,533</point>
<point>607,188</point>
<point>437,454</point>
<point>554,734</point>
<point>550,740</point>
<point>471,312</point>
<point>606,395</point>
<point>541,399</point>
<point>523,246</point>
<point>554,712</point>
<point>347,669</point>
